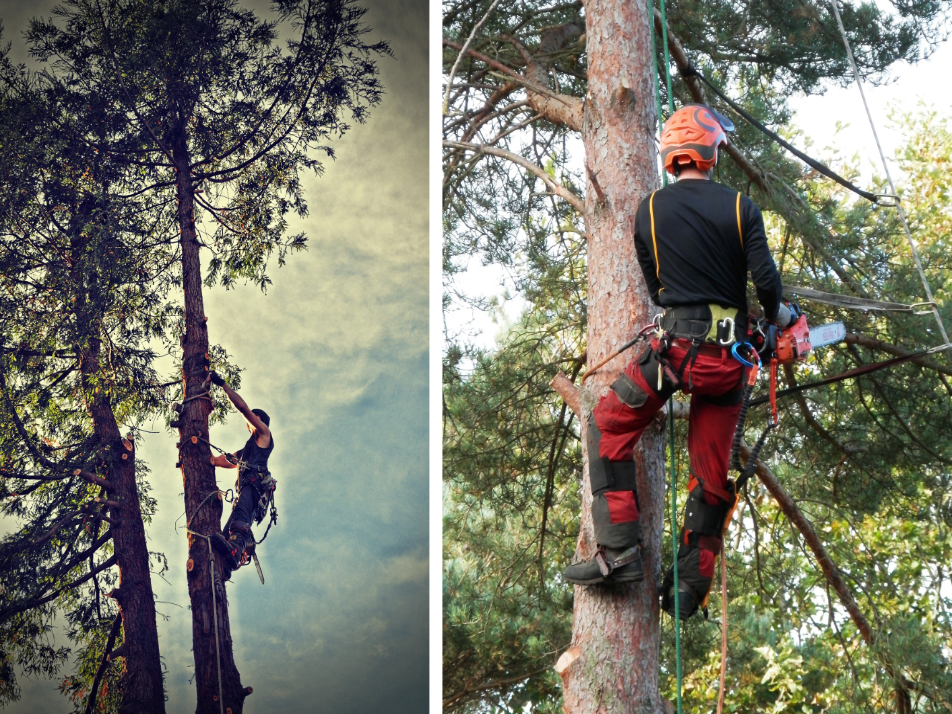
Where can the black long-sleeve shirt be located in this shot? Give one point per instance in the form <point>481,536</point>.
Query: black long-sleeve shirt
<point>696,240</point>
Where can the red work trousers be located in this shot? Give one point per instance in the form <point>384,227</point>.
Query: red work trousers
<point>715,382</point>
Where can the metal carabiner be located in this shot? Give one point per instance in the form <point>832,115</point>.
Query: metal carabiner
<point>736,355</point>
<point>727,321</point>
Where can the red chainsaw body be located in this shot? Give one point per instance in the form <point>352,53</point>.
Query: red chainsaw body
<point>793,343</point>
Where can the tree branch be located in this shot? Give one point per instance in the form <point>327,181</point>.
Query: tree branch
<point>808,415</point>
<point>880,346</point>
<point>569,392</point>
<point>459,57</point>
<point>571,110</point>
<point>36,602</point>
<point>573,200</point>
<point>562,109</point>
<point>103,663</point>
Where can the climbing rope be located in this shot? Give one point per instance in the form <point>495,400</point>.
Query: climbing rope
<point>723,677</point>
<point>674,553</point>
<point>673,487</point>
<point>227,496</point>
<point>892,187</point>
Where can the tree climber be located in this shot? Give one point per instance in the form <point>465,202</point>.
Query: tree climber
<point>696,240</point>
<point>254,480</point>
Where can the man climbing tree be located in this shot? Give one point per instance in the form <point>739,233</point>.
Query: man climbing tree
<point>522,84</point>
<point>223,117</point>
<point>254,479</point>
<point>696,240</point>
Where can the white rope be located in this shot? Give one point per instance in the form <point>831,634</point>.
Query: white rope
<point>892,187</point>
<point>211,575</point>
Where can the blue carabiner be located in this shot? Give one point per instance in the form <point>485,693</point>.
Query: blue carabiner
<point>740,359</point>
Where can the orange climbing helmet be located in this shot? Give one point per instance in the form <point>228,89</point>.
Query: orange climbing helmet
<point>692,135</point>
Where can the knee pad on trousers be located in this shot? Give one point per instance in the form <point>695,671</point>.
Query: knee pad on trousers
<point>614,496</point>
<point>239,527</point>
<point>701,517</point>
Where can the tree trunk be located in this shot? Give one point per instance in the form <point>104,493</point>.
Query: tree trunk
<point>142,691</point>
<point>615,629</point>
<point>213,659</point>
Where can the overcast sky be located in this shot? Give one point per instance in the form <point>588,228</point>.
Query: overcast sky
<point>336,353</point>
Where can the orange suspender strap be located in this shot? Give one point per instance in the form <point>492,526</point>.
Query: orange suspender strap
<point>740,231</point>
<point>654,240</point>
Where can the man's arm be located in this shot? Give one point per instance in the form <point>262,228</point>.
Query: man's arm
<point>760,263</point>
<point>645,256</point>
<point>262,432</point>
<point>222,462</point>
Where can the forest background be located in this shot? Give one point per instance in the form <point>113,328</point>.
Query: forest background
<point>514,314</point>
<point>336,352</point>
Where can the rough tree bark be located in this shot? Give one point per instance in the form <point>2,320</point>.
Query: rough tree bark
<point>202,506</point>
<point>612,665</point>
<point>142,691</point>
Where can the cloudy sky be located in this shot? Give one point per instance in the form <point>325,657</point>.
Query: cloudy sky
<point>336,352</point>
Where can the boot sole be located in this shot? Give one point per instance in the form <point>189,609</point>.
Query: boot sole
<point>595,581</point>
<point>221,546</point>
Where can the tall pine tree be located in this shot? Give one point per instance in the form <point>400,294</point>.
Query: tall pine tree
<point>84,290</point>
<point>223,118</point>
<point>519,190</point>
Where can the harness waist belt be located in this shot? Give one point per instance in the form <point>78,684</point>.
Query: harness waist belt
<point>710,324</point>
<point>705,349</point>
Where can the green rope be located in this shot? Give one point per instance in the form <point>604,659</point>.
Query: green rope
<point>675,544</point>
<point>673,486</point>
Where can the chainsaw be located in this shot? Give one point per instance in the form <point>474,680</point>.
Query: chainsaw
<point>790,345</point>
<point>769,343</point>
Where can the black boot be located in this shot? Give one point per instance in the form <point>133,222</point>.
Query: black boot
<point>692,586</point>
<point>610,565</point>
<point>232,549</point>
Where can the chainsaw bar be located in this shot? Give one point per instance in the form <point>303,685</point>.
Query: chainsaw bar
<point>827,334</point>
<point>254,556</point>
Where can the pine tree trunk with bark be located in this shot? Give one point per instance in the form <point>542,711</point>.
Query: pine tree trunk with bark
<point>612,666</point>
<point>211,629</point>
<point>142,690</point>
